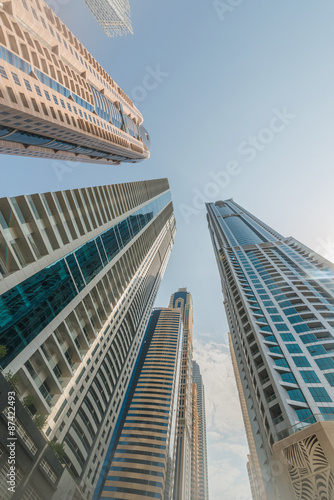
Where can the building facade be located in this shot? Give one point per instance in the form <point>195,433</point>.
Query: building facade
<point>195,448</point>
<point>112,15</point>
<point>39,475</point>
<point>56,101</point>
<point>142,461</point>
<point>182,486</point>
<point>203,486</point>
<point>80,270</point>
<point>279,301</point>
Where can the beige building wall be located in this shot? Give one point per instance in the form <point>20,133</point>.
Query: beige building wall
<point>143,461</point>
<point>303,464</point>
<point>56,101</point>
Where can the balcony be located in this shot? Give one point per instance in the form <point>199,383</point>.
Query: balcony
<point>317,417</point>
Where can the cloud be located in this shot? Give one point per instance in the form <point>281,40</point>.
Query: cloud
<point>227,445</point>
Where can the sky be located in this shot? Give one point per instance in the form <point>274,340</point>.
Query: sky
<point>240,105</point>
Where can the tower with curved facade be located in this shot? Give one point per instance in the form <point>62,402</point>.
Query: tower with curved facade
<point>56,101</point>
<point>279,302</point>
<point>79,273</point>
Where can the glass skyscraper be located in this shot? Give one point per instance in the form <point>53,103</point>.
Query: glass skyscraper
<point>112,15</point>
<point>80,270</point>
<point>279,301</point>
<point>203,488</point>
<point>56,101</point>
<point>182,489</point>
<point>141,461</point>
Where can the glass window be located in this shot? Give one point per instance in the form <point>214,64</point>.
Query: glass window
<point>282,328</point>
<point>316,350</point>
<point>293,348</point>
<point>301,328</point>
<point>38,90</point>
<point>307,339</point>
<point>43,22</point>
<point>296,395</point>
<point>16,78</point>
<point>328,413</point>
<point>330,378</point>
<point>310,377</point>
<point>320,395</point>
<point>287,337</point>
<point>325,363</point>
<point>288,377</point>
<point>47,95</point>
<point>300,361</point>
<point>305,414</point>
<point>3,72</point>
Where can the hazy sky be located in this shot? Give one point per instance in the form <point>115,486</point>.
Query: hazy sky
<point>242,106</point>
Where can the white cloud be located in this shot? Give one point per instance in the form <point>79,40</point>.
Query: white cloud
<point>227,445</point>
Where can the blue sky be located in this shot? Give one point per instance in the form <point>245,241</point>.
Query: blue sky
<point>228,72</point>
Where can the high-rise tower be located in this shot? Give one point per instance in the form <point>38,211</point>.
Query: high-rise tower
<point>112,15</point>
<point>80,270</point>
<point>182,487</point>
<point>56,101</point>
<point>203,488</point>
<point>279,300</point>
<point>142,459</point>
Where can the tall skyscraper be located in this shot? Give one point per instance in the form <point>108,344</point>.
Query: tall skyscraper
<point>195,446</point>
<point>142,458</point>
<point>56,101</point>
<point>279,300</point>
<point>182,486</point>
<point>112,15</point>
<point>80,270</point>
<point>203,488</point>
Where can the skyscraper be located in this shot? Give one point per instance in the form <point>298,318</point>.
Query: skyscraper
<point>182,486</point>
<point>112,15</point>
<point>142,458</point>
<point>279,301</point>
<point>56,101</point>
<point>203,488</point>
<point>80,270</point>
<point>195,446</point>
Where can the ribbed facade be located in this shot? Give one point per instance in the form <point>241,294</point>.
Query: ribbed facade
<point>195,448</point>
<point>143,459</point>
<point>279,300</point>
<point>56,101</point>
<point>203,486</point>
<point>80,273</point>
<point>182,486</point>
<point>112,15</point>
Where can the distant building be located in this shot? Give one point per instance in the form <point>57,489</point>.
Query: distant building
<point>203,486</point>
<point>112,15</point>
<point>195,450</point>
<point>182,487</point>
<point>56,101</point>
<point>142,460</point>
<point>279,301</point>
<point>79,272</point>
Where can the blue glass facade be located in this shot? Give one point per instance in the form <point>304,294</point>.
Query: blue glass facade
<point>30,306</point>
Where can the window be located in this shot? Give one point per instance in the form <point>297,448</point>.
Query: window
<point>328,413</point>
<point>308,338</point>
<point>310,377</point>
<point>305,414</point>
<point>38,90</point>
<point>288,377</point>
<point>301,328</point>
<point>51,31</point>
<point>287,337</point>
<point>43,22</point>
<point>330,378</point>
<point>300,361</point>
<point>296,395</point>
<point>282,328</point>
<point>27,84</point>
<point>47,95</point>
<point>325,363</point>
<point>16,79</point>
<point>3,72</point>
<point>34,13</point>
<point>55,99</point>
<point>277,319</point>
<point>316,350</point>
<point>25,4</point>
<point>282,362</point>
<point>293,348</point>
<point>320,395</point>
<point>62,103</point>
